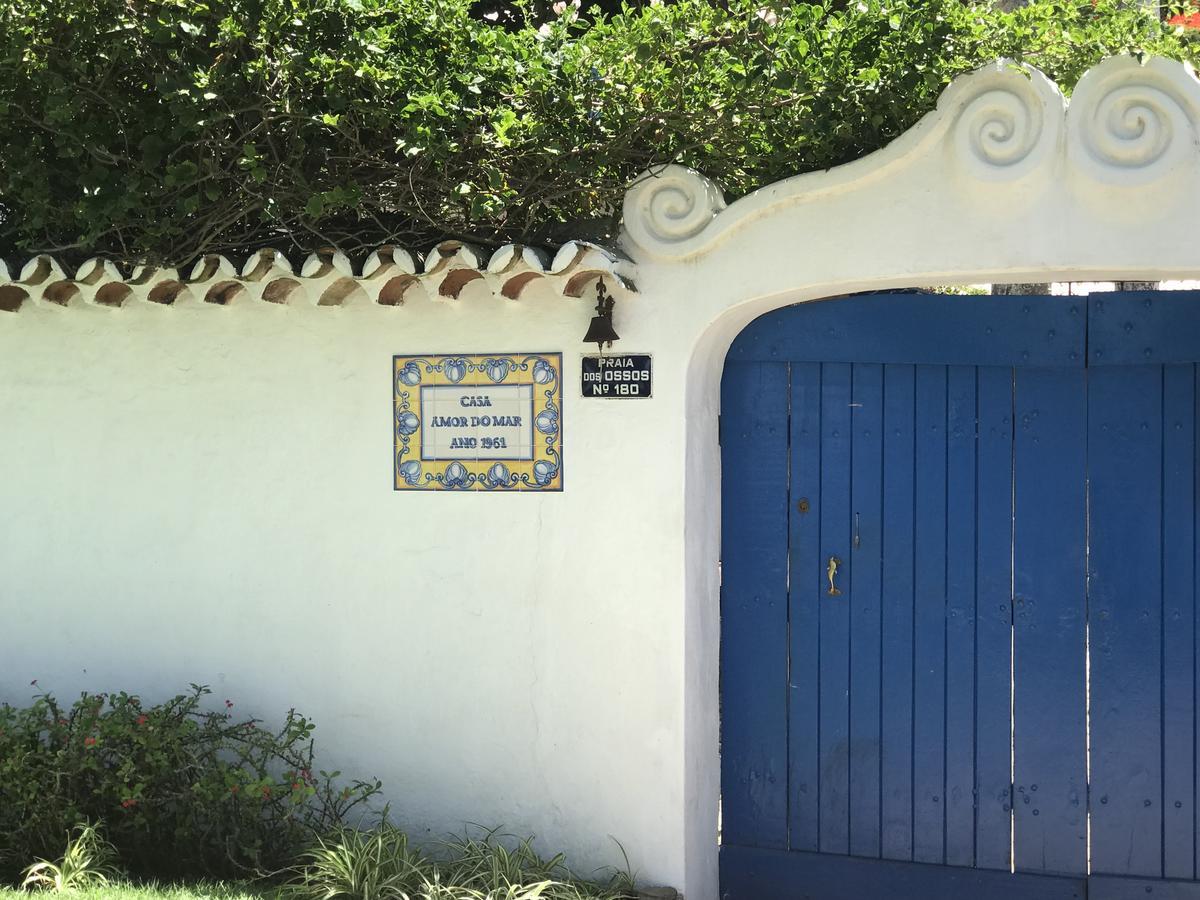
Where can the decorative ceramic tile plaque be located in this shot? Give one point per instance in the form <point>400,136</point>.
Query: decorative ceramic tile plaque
<point>479,422</point>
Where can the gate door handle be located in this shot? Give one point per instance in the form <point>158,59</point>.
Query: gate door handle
<point>831,573</point>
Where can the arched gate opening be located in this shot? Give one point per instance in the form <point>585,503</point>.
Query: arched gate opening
<point>958,602</point>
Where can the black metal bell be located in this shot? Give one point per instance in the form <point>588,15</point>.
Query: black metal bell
<point>601,331</point>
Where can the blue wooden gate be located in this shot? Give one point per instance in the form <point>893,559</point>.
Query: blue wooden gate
<point>958,619</point>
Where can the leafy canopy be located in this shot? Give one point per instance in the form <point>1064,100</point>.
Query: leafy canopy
<point>160,130</point>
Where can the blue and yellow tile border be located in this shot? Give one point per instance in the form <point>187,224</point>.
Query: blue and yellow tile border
<point>542,371</point>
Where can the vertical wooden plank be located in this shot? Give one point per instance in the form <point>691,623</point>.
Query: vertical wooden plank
<point>866,561</point>
<point>929,633</point>
<point>754,411</point>
<point>1125,581</point>
<point>897,617</point>
<point>805,606</point>
<point>1179,621</point>
<point>961,522</point>
<point>993,635</point>
<point>835,610</point>
<point>1049,532</point>
<point>1195,711</point>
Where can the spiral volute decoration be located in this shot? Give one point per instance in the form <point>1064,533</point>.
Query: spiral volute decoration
<point>668,208</point>
<point>1132,123</point>
<point>1001,131</point>
<point>1134,126</point>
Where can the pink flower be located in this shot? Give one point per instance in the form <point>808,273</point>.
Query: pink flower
<point>89,742</point>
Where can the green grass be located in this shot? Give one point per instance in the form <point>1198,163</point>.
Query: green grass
<point>123,891</point>
<point>240,891</point>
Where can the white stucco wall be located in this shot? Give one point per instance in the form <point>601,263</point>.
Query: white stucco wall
<point>203,493</point>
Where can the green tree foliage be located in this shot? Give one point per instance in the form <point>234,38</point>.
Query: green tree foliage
<point>519,13</point>
<point>159,130</point>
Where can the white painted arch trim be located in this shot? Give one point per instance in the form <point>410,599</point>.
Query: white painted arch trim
<point>1005,181</point>
<point>1002,133</point>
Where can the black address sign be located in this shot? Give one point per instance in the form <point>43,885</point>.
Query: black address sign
<point>620,376</point>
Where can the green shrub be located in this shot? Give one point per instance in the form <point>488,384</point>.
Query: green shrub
<point>88,862</point>
<point>163,129</point>
<point>379,864</point>
<point>490,864</point>
<point>181,791</point>
<point>364,865</point>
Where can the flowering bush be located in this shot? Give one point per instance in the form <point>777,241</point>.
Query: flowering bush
<point>181,790</point>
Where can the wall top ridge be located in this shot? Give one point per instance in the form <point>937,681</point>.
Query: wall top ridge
<point>325,278</point>
<point>1002,128</point>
